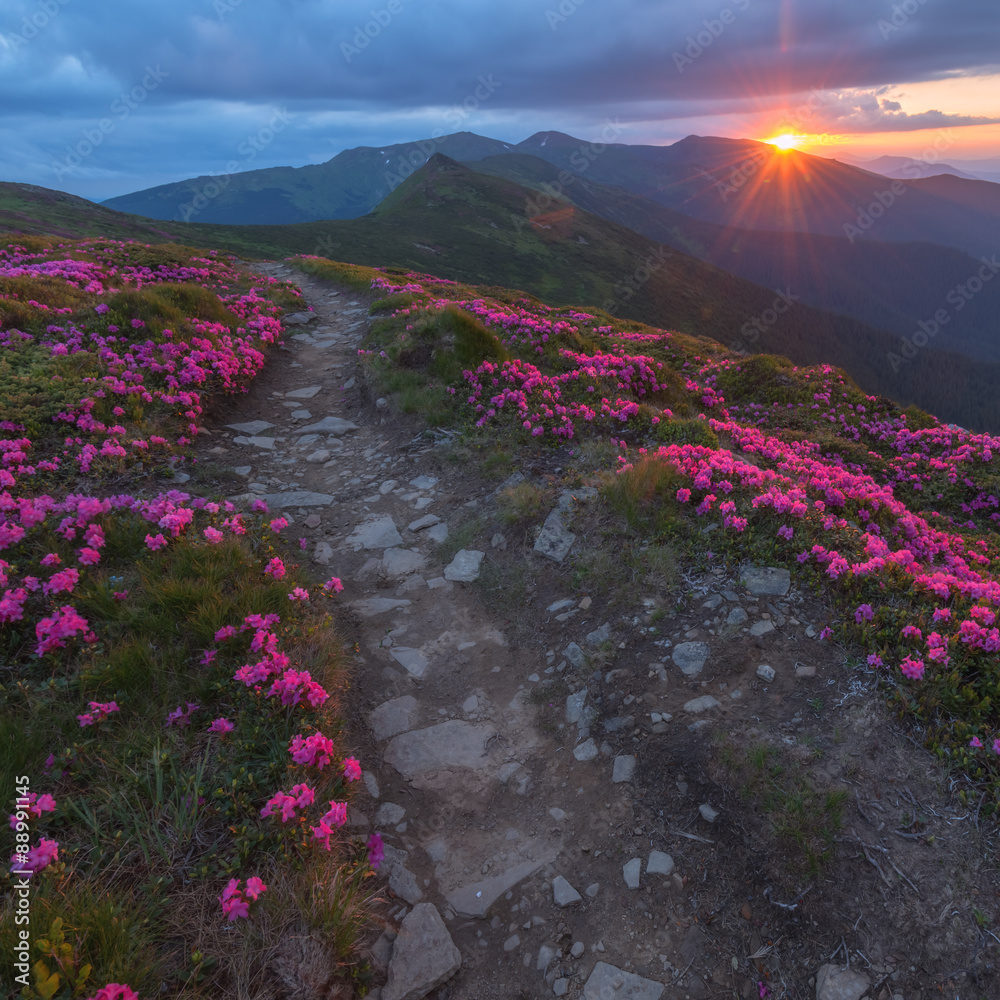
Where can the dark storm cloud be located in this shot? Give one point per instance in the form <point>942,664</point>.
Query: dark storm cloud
<point>385,70</point>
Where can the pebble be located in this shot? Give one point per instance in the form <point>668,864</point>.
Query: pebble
<point>578,949</point>
<point>708,814</point>
<point>765,673</point>
<point>585,751</point>
<point>631,871</point>
<point>563,894</point>
<point>624,768</point>
<point>659,863</point>
<point>511,943</point>
<point>593,889</point>
<point>762,628</point>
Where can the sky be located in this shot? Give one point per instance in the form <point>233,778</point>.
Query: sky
<point>103,97</point>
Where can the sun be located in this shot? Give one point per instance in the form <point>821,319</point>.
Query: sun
<point>785,141</point>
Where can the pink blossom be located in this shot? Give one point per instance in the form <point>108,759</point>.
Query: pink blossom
<point>155,541</point>
<point>181,717</point>
<point>333,585</point>
<point>278,523</point>
<point>221,726</point>
<point>51,560</point>
<point>315,750</point>
<point>913,668</point>
<point>99,711</point>
<point>38,858</point>
<point>975,743</point>
<point>298,594</point>
<point>376,850</point>
<point>352,769</point>
<point>863,612</point>
<point>114,991</point>
<point>226,632</point>
<point>303,544</point>
<point>874,660</point>
<point>213,535</point>
<point>275,568</point>
<point>337,816</point>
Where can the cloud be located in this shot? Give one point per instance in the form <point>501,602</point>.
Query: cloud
<point>378,71</point>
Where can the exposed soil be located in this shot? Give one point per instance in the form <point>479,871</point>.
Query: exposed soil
<point>836,839</point>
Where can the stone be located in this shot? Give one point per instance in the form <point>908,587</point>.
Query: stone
<point>427,521</point>
<point>566,602</point>
<point>555,539</point>
<point>659,863</point>
<point>389,814</point>
<point>313,521</point>
<point>424,482</point>
<point>586,751</point>
<point>563,894</point>
<point>450,744</point>
<point>464,568</point>
<point>834,982</point>
<point>402,562</point>
<point>762,627</point>
<point>393,717</point>
<point>411,660</point>
<point>707,813</point>
<point>476,899</point>
<point>511,943</point>
<point>766,581</point>
<point>298,318</point>
<point>438,533</point>
<point>295,498</point>
<point>575,655</point>
<point>713,602</point>
<point>736,617</point>
<point>265,443</point>
<point>631,871</point>
<point>545,955</point>
<point>387,487</point>
<point>242,470</point>
<point>378,533</point>
<point>560,987</point>
<point>803,670</point>
<point>593,889</point>
<point>300,415</point>
<point>624,768</point>
<point>368,607</point>
<point>319,456</point>
<point>574,706</point>
<point>251,427</point>
<point>619,722</point>
<point>703,704</point>
<point>607,982</point>
<point>423,955</point>
<point>404,884</point>
<point>690,657</point>
<point>328,425</point>
<point>578,949</point>
<point>599,635</point>
<point>498,541</point>
<point>323,554</point>
<point>765,673</point>
<point>306,393</point>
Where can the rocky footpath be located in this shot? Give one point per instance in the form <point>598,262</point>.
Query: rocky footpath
<point>556,818</point>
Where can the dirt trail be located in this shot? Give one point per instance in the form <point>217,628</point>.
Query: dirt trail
<point>497,769</point>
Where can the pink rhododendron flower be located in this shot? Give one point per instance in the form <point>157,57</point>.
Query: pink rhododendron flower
<point>278,524</point>
<point>221,726</point>
<point>32,809</point>
<point>51,560</point>
<point>114,991</point>
<point>235,905</point>
<point>337,816</point>
<point>996,746</point>
<point>38,858</point>
<point>376,850</point>
<point>913,668</point>
<point>89,557</point>
<point>226,632</point>
<point>213,535</point>
<point>155,541</point>
<point>208,657</point>
<point>333,585</point>
<point>315,750</point>
<point>99,711</point>
<point>255,887</point>
<point>863,612</point>
<point>975,742</point>
<point>352,769</point>
<point>874,660</point>
<point>827,633</point>
<point>259,507</point>
<point>181,717</point>
<point>303,544</point>
<point>275,568</point>
<point>298,594</point>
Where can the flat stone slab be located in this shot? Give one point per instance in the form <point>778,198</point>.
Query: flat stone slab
<point>736,617</point>
<point>307,393</point>
<point>424,482</point>
<point>624,768</point>
<point>427,521</point>
<point>563,894</point>
<point>256,441</point>
<point>423,955</point>
<point>555,539</point>
<point>762,627</point>
<point>298,318</point>
<point>703,704</point>
<point>464,568</point>
<point>659,863</point>
<point>402,562</point>
<point>631,871</point>
<point>412,660</point>
<point>292,498</point>
<point>766,581</point>
<point>609,983</point>
<point>450,744</point>
<point>476,899</point>
<point>691,657</point>
<point>586,750</point>
<point>393,717</point>
<point>404,884</point>
<point>251,427</point>
<point>328,425</point>
<point>368,607</point>
<point>378,533</point>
